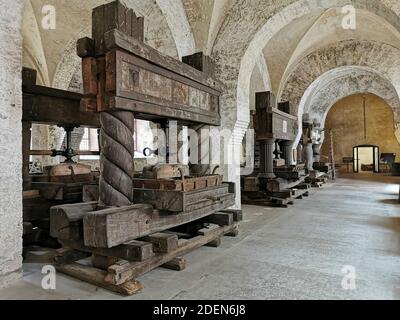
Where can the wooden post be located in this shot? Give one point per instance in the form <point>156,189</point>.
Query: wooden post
<point>116,158</point>
<point>332,156</point>
<point>26,147</point>
<point>117,127</point>
<point>266,159</point>
<point>287,152</point>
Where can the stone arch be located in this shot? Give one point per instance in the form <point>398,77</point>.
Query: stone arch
<point>173,27</point>
<point>169,37</point>
<point>70,63</point>
<point>179,25</point>
<point>342,82</point>
<point>249,26</point>
<point>381,57</point>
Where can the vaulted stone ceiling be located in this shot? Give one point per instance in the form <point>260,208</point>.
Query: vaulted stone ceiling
<point>295,48</point>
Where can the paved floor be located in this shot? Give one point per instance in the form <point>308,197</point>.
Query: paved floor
<point>305,252</point>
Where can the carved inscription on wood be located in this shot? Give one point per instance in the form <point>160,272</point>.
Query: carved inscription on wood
<point>133,78</point>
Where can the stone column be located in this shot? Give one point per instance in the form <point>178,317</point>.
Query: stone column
<point>299,150</point>
<point>308,156</point>
<point>11,142</point>
<point>267,159</point>
<point>287,152</point>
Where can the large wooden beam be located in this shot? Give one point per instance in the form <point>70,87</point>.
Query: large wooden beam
<point>96,277</point>
<point>57,107</point>
<point>130,251</point>
<point>116,39</point>
<point>66,221</point>
<point>132,83</point>
<point>111,227</point>
<point>122,272</point>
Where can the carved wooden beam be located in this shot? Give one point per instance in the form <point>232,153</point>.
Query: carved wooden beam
<point>52,106</point>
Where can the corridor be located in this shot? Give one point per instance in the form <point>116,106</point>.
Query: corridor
<point>343,242</point>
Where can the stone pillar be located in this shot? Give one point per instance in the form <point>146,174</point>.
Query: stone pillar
<point>266,159</point>
<point>299,150</point>
<point>308,156</point>
<point>10,142</point>
<point>287,152</point>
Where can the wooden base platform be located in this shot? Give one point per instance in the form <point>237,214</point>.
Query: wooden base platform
<point>164,249</point>
<point>280,199</point>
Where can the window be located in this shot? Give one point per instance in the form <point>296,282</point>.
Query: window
<point>143,137</point>
<point>89,142</point>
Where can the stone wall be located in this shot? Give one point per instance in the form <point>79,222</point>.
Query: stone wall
<point>10,142</point>
<point>347,120</point>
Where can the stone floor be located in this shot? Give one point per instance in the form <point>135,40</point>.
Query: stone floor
<point>295,253</point>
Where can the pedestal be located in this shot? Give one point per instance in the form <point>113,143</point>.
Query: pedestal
<point>286,147</point>
<point>308,156</point>
<point>266,159</point>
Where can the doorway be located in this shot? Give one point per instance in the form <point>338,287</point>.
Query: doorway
<point>366,159</point>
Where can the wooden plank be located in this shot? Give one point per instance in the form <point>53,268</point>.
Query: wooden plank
<point>30,194</point>
<point>51,106</point>
<point>137,80</point>
<point>179,201</point>
<point>153,112</point>
<point>101,85</point>
<point>89,74</point>
<point>187,184</point>
<point>131,251</point>
<point>121,273</point>
<point>162,242</point>
<point>219,218</point>
<point>111,227</point>
<point>29,76</point>
<point>88,105</point>
<point>208,229</point>
<point>96,277</point>
<point>177,264</point>
<point>166,171</point>
<point>102,262</point>
<point>237,214</point>
<point>200,62</point>
<point>115,39</point>
<point>36,209</point>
